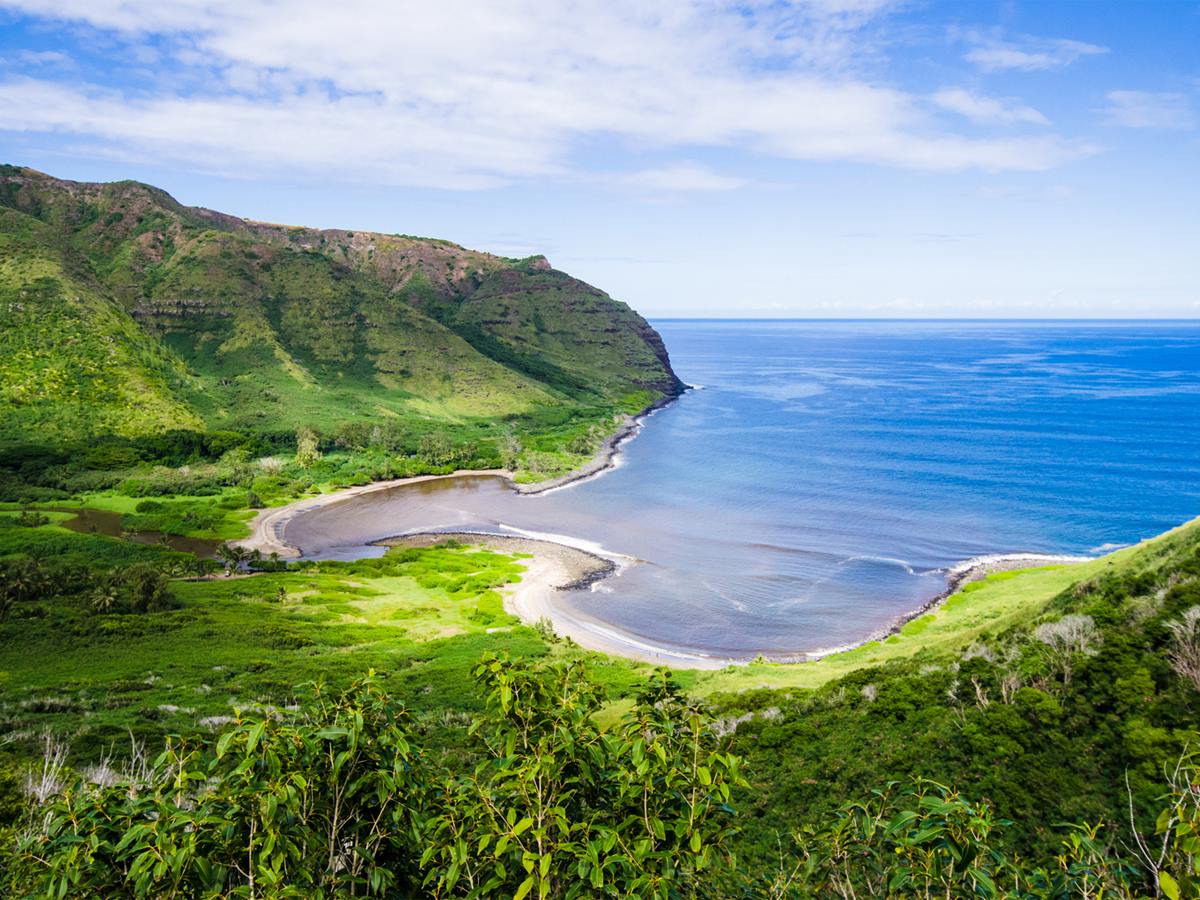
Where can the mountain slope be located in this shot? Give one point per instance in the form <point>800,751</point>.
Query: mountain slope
<point>207,319</point>
<point>72,361</point>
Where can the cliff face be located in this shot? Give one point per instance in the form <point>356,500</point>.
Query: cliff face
<point>124,311</point>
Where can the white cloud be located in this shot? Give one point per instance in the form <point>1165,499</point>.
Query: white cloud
<point>467,95</point>
<point>1145,109</point>
<point>987,110</point>
<point>683,176</point>
<point>38,58</point>
<point>1028,54</point>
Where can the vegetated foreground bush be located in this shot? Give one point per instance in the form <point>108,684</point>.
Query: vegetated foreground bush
<point>344,802</point>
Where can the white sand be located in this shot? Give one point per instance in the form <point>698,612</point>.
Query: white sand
<point>533,599</point>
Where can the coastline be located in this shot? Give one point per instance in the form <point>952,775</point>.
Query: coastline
<point>267,527</point>
<point>554,567</point>
<point>958,576</point>
<point>557,565</point>
<point>607,457</point>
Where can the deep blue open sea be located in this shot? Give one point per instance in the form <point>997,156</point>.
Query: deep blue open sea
<point>823,475</point>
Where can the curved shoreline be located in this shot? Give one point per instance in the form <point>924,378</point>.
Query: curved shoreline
<point>267,527</point>
<point>555,567</point>
<point>958,576</point>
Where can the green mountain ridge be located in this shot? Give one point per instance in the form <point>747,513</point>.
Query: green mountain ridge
<point>125,312</point>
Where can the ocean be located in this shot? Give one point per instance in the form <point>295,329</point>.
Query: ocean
<point>822,476</point>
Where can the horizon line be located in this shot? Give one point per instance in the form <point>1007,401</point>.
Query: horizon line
<point>1046,319</point>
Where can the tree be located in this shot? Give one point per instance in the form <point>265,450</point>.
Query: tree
<point>1171,855</point>
<point>560,807</point>
<point>322,807</point>
<point>147,588</point>
<point>232,555</point>
<point>510,449</point>
<point>105,597</point>
<point>436,450</point>
<point>1185,646</point>
<point>1071,636</point>
<point>342,803</point>
<point>926,840</point>
<point>21,580</point>
<point>307,447</point>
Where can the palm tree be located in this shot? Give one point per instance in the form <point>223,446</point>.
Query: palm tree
<point>232,556</point>
<point>104,598</point>
<point>21,580</point>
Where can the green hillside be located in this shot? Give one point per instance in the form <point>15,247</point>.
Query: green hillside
<point>127,313</point>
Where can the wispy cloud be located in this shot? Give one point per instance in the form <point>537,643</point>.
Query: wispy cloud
<point>684,176</point>
<point>455,97</point>
<point>987,110</point>
<point>38,58</point>
<point>1146,109</point>
<point>1026,53</point>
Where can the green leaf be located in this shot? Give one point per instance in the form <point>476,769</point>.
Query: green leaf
<point>256,734</point>
<point>1169,886</point>
<point>525,888</point>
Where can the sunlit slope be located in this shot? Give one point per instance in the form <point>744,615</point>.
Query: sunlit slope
<point>250,325</point>
<point>72,361</point>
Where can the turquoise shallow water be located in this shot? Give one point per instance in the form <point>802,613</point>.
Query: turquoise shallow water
<point>824,475</point>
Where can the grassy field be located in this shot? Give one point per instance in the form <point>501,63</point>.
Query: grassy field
<point>988,606</point>
<point>420,617</point>
<point>983,608</point>
<point>812,735</point>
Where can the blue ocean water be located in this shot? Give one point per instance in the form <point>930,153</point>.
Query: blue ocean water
<point>823,475</point>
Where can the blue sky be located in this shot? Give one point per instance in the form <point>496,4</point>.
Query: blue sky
<point>764,158</point>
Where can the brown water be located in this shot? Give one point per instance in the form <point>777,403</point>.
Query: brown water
<point>101,521</point>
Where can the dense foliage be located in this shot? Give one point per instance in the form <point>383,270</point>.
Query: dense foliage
<point>1078,713</point>
<point>165,372</point>
<point>1072,717</point>
<point>344,802</point>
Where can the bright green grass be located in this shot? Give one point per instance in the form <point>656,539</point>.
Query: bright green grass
<point>420,617</point>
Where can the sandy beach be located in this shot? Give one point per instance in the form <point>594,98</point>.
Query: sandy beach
<point>554,567</point>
